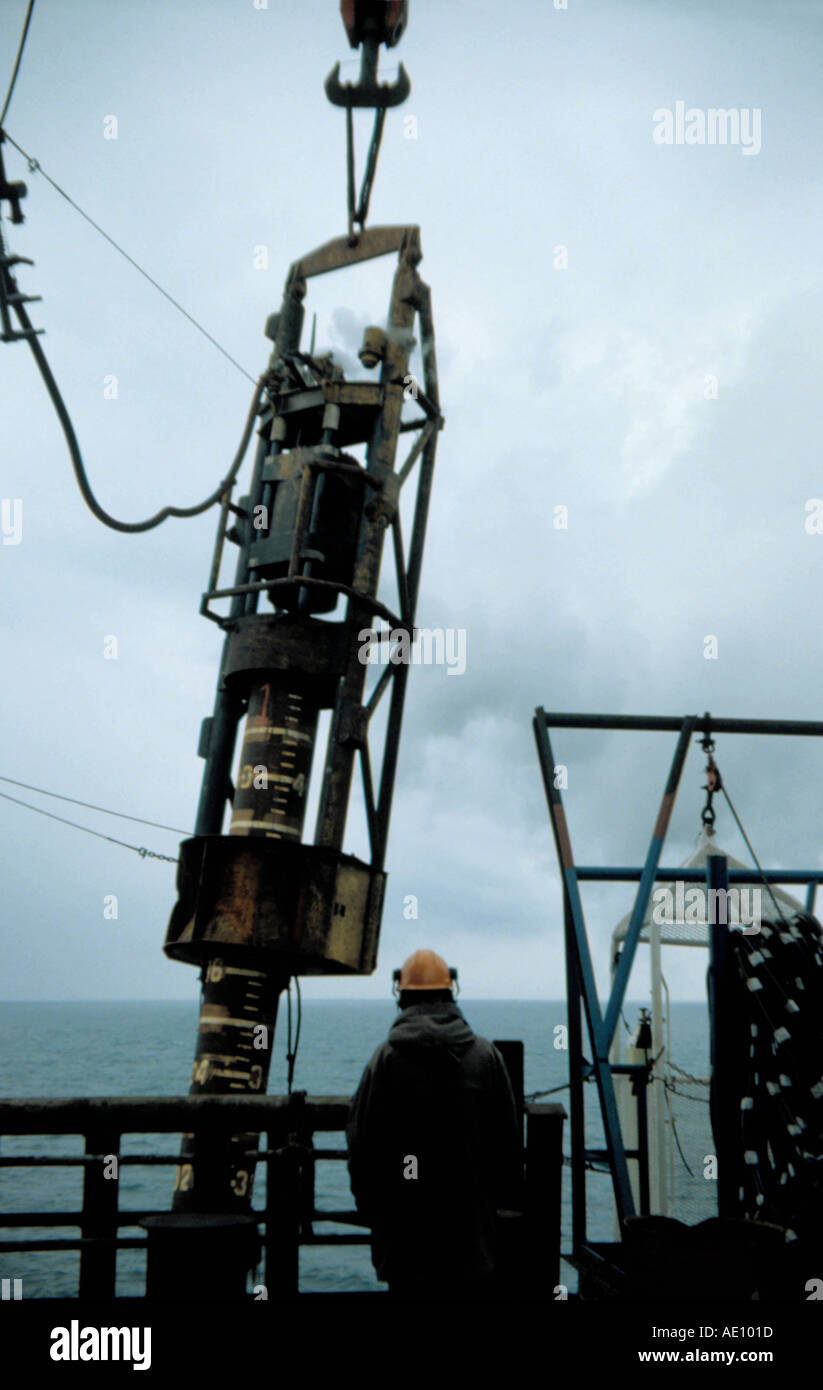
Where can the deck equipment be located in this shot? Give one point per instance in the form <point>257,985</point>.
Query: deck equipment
<point>611,1268</point>
<point>266,901</point>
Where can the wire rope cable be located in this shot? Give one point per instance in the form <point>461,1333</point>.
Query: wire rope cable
<point>16,303</point>
<point>17,61</point>
<point>291,1051</point>
<point>36,167</point>
<point>89,806</point>
<point>754,856</point>
<point>138,849</point>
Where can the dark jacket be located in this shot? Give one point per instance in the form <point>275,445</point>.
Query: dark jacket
<point>434,1093</point>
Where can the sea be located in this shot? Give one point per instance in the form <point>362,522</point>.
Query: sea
<point>146,1049</point>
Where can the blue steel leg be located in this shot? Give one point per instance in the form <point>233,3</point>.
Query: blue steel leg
<point>621,978</point>
<point>576,1098</point>
<point>602,1070</point>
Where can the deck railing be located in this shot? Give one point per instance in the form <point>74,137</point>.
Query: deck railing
<point>287,1157</point>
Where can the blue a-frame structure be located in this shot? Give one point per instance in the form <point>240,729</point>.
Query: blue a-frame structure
<point>580,980</point>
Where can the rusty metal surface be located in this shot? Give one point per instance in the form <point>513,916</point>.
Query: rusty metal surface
<point>272,904</point>
<point>302,412</point>
<point>281,642</point>
<point>338,253</point>
<point>381,458</point>
<point>238,1015</point>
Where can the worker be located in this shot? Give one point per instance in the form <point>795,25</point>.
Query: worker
<point>435,1148</point>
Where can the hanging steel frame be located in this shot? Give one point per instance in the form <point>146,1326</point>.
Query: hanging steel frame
<point>352,716</point>
<point>581,986</point>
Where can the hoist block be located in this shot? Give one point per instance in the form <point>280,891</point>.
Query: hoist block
<point>381,20</point>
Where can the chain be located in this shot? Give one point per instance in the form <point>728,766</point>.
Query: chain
<point>713,781</point>
<point>148,853</point>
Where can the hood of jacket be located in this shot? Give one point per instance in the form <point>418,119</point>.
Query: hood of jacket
<point>437,1028</point>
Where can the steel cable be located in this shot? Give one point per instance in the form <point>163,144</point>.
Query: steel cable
<point>122,815</point>
<point>17,61</point>
<point>36,167</point>
<point>77,458</point>
<point>138,849</point>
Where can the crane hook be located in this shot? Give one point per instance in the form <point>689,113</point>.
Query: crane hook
<point>368,23</point>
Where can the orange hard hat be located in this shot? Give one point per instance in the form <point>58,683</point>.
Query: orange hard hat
<point>425,970</point>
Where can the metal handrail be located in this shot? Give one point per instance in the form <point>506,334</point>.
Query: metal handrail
<point>103,1121</point>
<point>288,1214</point>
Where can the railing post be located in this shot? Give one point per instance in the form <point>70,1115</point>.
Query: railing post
<point>640,1084</point>
<point>307,1190</point>
<point>98,1263</point>
<point>544,1166</point>
<point>510,1222</point>
<point>512,1054</point>
<point>282,1219</point>
<point>286,1209</point>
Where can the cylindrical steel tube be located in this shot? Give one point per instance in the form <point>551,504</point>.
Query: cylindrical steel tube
<point>238,1013</point>
<point>275,760</point>
<point>238,1009</point>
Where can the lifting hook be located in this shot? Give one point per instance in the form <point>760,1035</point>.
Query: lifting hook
<point>368,23</point>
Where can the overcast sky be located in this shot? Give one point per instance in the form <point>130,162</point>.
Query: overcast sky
<point>585,387</point>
